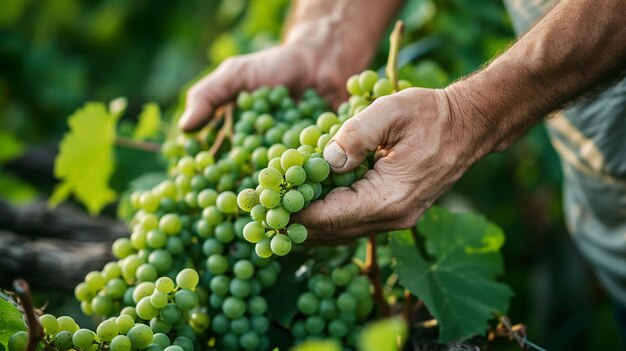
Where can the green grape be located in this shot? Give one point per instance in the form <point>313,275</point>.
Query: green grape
<point>240,325</point>
<point>170,313</point>
<point>334,129</point>
<point>233,307</point>
<point>309,135</point>
<point>206,198</point>
<point>382,87</point>
<point>122,248</point>
<point>129,310</point>
<point>291,138</point>
<point>107,330</point>
<point>221,324</point>
<point>111,270</point>
<point>364,307</point>
<point>146,273</point>
<point>244,100</point>
<point>217,264</point>
<point>247,199</point>
<point>49,324</point>
<point>308,303</point>
<point>337,328</point>
<point>243,269</point>
<point>270,178</point>
<point>227,202</point>
<point>269,198</point>
<point>404,84</point>
<point>275,150</point>
<point>102,305</point>
<point>239,288</point>
<point>143,289</point>
<point>145,309</point>
<point>63,340</point>
<point>275,164</point>
<point>359,287</point>
<point>187,279</point>
<point>173,348</point>
<point>293,201</point>
<point>95,281</point>
<point>250,340</point>
<point>170,224</point>
<point>277,218</point>
<point>199,321</point>
<point>257,305</point>
<point>314,324</point>
<point>340,276</point>
<point>367,79</point>
<point>328,309</point>
<point>156,238</point>
<point>161,340</point>
<point>149,202</point>
<point>258,213</point>
<point>120,343</point>
<point>353,86</point>
<point>317,169</point>
<point>18,341</point>
<point>159,326</point>
<point>138,239</point>
<point>140,336</point>
<point>212,215</point>
<point>263,249</point>
<point>124,322</point>
<point>324,288</point>
<point>263,122</point>
<point>164,285</point>
<point>344,179</point>
<point>161,260</point>
<point>295,175</point>
<point>307,192</point>
<point>360,171</point>
<point>323,141</point>
<point>326,120</point>
<point>254,232</point>
<point>297,233</point>
<point>158,299</point>
<point>185,299</point>
<point>291,157</point>
<point>259,157</point>
<point>346,302</point>
<point>83,338</point>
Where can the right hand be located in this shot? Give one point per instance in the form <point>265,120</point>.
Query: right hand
<point>296,66</point>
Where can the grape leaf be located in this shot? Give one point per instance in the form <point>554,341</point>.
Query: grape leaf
<point>85,160</point>
<point>282,297</point>
<point>11,321</point>
<point>384,335</point>
<point>149,122</point>
<point>318,345</point>
<point>458,284</point>
<point>10,146</point>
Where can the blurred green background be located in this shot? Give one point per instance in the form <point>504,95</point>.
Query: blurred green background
<point>55,55</point>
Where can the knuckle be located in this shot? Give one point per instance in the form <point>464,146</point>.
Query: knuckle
<point>329,224</point>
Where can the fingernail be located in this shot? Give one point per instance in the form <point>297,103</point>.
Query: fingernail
<point>335,155</point>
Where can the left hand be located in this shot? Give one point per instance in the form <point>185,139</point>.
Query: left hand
<point>421,149</point>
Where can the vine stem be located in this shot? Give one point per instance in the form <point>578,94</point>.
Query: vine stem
<point>35,330</point>
<point>373,271</point>
<point>137,144</point>
<point>395,40</point>
<point>226,131</point>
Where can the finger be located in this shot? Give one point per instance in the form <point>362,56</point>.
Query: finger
<point>345,207</point>
<point>362,133</point>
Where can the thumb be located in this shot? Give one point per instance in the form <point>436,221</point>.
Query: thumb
<point>357,136</point>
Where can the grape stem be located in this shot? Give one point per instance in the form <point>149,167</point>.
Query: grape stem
<point>147,146</point>
<point>395,39</point>
<point>372,269</point>
<point>35,330</point>
<point>225,131</point>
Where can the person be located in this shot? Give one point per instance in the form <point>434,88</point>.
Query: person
<point>569,62</point>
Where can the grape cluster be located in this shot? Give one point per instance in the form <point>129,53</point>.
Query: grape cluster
<point>188,275</point>
<point>296,172</point>
<point>158,310</point>
<point>332,306</point>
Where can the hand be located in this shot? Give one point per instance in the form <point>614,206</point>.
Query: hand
<point>297,66</point>
<point>421,149</point>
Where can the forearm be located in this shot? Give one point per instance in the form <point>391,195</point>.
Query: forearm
<point>576,47</point>
<point>345,32</point>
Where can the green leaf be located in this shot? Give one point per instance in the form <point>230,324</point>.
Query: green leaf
<point>384,335</point>
<point>10,146</point>
<point>282,297</point>
<point>149,123</point>
<point>16,190</point>
<point>318,345</point>
<point>11,321</point>
<point>458,284</point>
<point>85,160</point>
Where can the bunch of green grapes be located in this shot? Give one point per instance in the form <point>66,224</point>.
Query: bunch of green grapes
<point>334,305</point>
<point>296,172</point>
<point>158,310</point>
